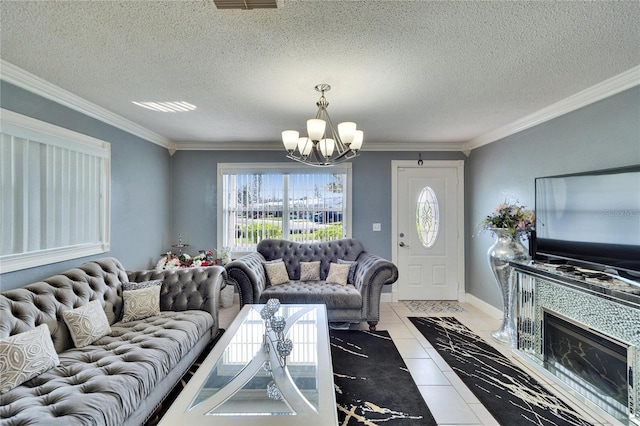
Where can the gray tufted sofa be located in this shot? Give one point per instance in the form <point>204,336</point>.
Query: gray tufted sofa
<point>350,303</point>
<point>123,377</point>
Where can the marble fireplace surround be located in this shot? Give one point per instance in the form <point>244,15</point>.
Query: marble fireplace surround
<point>617,318</point>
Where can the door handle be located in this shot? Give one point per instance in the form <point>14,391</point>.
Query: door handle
<point>402,244</point>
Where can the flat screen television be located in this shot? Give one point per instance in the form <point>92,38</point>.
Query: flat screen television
<point>590,218</point>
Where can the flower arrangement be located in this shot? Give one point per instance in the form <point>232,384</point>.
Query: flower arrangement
<point>175,261</point>
<point>514,217</point>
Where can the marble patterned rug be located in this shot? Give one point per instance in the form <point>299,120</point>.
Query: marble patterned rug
<point>433,306</point>
<point>373,384</point>
<point>511,395</point>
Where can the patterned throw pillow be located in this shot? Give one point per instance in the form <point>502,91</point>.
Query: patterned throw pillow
<point>142,303</point>
<point>352,270</point>
<point>24,356</point>
<point>310,271</point>
<point>338,273</point>
<point>87,323</point>
<point>276,272</point>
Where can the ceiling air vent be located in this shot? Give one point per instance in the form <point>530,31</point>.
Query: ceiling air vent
<point>248,4</point>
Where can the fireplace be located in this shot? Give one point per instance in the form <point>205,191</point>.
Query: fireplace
<point>584,336</point>
<point>591,363</point>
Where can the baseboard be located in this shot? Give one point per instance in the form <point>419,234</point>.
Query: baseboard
<point>386,297</point>
<point>483,306</point>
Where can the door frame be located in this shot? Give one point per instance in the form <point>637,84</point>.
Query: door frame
<point>405,164</point>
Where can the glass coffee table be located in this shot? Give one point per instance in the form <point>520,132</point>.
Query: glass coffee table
<point>241,383</point>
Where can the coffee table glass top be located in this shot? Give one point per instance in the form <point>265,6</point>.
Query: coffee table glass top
<point>240,379</point>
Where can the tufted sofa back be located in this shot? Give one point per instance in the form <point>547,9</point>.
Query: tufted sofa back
<point>293,253</point>
<point>43,302</point>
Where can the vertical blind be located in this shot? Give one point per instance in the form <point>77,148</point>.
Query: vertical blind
<point>292,204</point>
<point>54,193</point>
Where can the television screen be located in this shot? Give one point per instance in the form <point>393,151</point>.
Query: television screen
<point>592,217</point>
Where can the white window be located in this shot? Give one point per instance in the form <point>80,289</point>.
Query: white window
<point>282,200</point>
<point>55,193</point>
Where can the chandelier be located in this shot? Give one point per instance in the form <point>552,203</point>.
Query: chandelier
<point>324,146</point>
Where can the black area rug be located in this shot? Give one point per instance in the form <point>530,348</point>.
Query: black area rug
<point>373,384</point>
<point>511,395</point>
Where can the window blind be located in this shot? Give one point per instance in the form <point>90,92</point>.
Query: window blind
<point>55,193</point>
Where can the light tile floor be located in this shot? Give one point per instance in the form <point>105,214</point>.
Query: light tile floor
<point>448,398</point>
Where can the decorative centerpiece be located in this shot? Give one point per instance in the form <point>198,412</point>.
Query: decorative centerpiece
<point>509,223</point>
<point>274,339</point>
<point>183,260</point>
<point>274,332</point>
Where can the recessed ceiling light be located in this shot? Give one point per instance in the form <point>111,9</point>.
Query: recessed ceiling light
<point>167,106</point>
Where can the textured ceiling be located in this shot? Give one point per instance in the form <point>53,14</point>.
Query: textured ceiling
<point>428,72</point>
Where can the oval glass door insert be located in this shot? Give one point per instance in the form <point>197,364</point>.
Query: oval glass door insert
<point>427,217</point>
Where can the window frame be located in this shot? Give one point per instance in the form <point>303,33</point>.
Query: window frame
<point>280,168</point>
<point>31,129</point>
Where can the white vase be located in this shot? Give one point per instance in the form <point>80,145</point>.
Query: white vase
<point>507,248</point>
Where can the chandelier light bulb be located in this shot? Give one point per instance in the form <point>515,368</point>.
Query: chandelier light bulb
<point>347,131</point>
<point>358,137</point>
<point>305,146</point>
<point>290,140</point>
<point>326,147</point>
<point>315,128</point>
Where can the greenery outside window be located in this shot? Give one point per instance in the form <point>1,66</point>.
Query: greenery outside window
<point>55,193</point>
<point>280,200</point>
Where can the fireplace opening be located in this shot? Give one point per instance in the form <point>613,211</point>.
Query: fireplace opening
<point>592,364</point>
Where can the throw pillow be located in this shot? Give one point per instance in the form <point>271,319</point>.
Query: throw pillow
<point>137,286</point>
<point>25,355</point>
<point>352,270</point>
<point>87,323</point>
<point>276,272</point>
<point>142,303</point>
<point>310,271</point>
<point>338,273</point>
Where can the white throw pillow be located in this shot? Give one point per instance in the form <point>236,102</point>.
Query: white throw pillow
<point>338,273</point>
<point>352,270</point>
<point>142,303</point>
<point>26,355</point>
<point>277,273</point>
<point>310,271</point>
<point>87,323</point>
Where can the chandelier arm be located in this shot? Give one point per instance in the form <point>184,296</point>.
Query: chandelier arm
<point>319,163</point>
<point>345,155</point>
<point>340,146</point>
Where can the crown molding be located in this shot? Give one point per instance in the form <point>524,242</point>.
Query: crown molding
<point>277,146</point>
<point>25,80</point>
<point>227,146</point>
<point>610,87</point>
<point>414,146</point>
<point>21,78</point>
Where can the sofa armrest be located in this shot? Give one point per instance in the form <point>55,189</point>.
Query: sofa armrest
<point>187,289</point>
<point>373,272</point>
<point>248,276</point>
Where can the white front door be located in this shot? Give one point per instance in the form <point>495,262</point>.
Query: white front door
<point>429,230</point>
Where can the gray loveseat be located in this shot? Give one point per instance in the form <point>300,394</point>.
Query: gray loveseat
<point>121,378</point>
<point>353,303</point>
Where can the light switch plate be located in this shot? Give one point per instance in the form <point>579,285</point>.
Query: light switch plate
<point>377,227</point>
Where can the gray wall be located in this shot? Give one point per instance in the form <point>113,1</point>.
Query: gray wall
<point>194,188</point>
<point>602,135</point>
<point>140,182</point>
<point>156,197</point>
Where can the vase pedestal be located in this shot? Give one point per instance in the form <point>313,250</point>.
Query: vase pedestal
<point>507,248</point>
